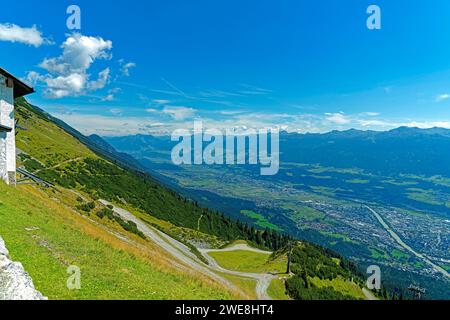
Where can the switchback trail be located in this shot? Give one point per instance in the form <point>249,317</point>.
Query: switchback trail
<point>263,280</point>
<point>170,245</point>
<point>183,253</point>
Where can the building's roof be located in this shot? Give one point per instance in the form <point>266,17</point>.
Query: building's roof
<point>20,89</point>
<point>4,128</point>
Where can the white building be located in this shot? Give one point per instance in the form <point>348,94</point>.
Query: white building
<point>10,89</point>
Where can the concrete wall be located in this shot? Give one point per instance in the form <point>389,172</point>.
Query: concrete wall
<point>15,282</point>
<point>7,140</point>
<point>3,166</point>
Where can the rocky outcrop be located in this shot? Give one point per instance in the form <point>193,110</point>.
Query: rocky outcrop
<point>15,282</point>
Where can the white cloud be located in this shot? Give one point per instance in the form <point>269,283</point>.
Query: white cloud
<point>388,124</point>
<point>155,122</point>
<point>253,90</point>
<point>30,36</point>
<point>442,97</point>
<point>111,94</point>
<point>126,68</point>
<point>232,112</point>
<point>68,74</point>
<point>79,52</point>
<point>108,98</point>
<point>161,101</point>
<point>428,124</point>
<point>114,125</point>
<point>63,86</point>
<point>179,113</point>
<point>370,114</point>
<point>101,82</point>
<point>115,111</point>
<point>103,125</point>
<point>338,118</point>
<point>375,123</point>
<point>219,94</point>
<point>33,77</point>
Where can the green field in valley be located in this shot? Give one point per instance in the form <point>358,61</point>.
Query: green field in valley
<point>248,261</point>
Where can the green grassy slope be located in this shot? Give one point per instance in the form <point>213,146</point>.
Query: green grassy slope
<point>320,274</point>
<point>277,289</point>
<point>47,237</point>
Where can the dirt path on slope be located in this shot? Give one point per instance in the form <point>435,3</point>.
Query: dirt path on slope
<point>183,253</point>
<point>172,246</point>
<point>263,280</point>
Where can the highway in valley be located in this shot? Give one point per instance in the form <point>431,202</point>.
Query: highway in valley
<point>397,238</point>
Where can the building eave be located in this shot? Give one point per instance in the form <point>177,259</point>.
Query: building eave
<point>20,88</point>
<point>5,128</point>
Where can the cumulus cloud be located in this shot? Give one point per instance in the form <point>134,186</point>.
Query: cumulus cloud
<point>79,52</point>
<point>33,77</point>
<point>68,74</point>
<point>65,85</point>
<point>338,118</point>
<point>179,113</point>
<point>30,36</point>
<point>101,82</point>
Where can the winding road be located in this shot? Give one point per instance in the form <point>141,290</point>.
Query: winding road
<point>262,280</point>
<point>184,254</point>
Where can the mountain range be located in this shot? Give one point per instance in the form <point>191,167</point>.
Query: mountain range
<point>402,150</point>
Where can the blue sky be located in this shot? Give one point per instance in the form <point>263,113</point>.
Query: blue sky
<point>152,66</point>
